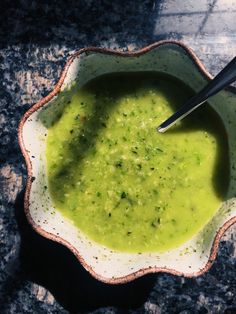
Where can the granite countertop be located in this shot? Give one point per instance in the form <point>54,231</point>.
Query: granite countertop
<point>36,38</point>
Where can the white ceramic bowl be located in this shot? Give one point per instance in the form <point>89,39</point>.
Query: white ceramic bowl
<point>193,257</point>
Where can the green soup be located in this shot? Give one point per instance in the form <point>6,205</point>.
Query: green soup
<point>122,183</point>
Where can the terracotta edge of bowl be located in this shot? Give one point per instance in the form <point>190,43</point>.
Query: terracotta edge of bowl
<point>53,237</point>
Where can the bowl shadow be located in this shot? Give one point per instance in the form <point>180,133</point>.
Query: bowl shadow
<point>53,266</point>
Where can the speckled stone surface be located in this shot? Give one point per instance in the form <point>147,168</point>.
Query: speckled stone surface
<point>36,38</point>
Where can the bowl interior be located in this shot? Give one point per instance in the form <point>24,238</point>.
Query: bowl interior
<point>103,263</point>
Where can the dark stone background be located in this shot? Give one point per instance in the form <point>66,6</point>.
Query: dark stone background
<point>36,38</point>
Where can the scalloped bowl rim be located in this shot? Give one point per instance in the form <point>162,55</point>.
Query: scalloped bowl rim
<point>51,236</point>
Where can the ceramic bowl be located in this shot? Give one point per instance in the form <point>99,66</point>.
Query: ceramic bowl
<point>194,257</point>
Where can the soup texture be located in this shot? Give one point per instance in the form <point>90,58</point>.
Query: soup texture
<point>122,183</point>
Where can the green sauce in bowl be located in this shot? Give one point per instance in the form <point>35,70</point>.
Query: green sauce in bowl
<point>122,183</point>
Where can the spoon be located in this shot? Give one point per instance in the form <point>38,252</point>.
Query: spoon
<point>221,80</point>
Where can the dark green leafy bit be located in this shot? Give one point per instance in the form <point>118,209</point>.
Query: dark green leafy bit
<point>161,209</point>
<point>123,195</point>
<point>134,150</point>
<point>159,150</point>
<point>119,164</point>
<point>156,222</point>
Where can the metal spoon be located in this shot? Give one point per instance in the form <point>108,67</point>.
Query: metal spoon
<point>221,80</point>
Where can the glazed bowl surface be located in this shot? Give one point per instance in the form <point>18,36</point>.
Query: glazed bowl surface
<point>192,258</point>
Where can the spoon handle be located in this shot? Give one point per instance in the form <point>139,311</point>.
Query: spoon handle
<point>221,80</point>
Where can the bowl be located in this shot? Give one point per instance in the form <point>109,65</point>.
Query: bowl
<point>192,258</point>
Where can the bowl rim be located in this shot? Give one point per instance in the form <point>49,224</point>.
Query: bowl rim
<point>56,90</point>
